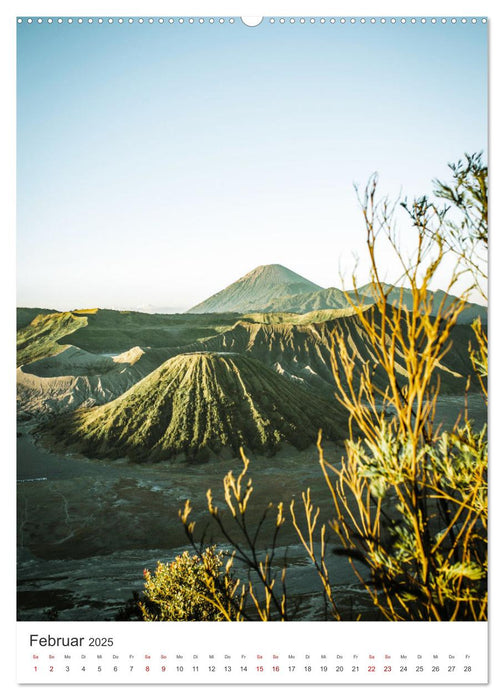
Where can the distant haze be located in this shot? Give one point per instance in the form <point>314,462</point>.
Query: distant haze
<point>158,164</point>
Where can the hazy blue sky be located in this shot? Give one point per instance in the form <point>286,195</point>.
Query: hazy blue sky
<point>159,163</point>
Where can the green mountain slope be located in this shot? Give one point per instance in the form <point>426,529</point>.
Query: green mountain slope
<point>25,315</point>
<point>330,298</point>
<point>41,338</point>
<point>195,404</point>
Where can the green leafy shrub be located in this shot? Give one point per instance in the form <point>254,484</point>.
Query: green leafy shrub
<point>185,589</point>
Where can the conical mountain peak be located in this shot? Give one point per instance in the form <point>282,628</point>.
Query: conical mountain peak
<point>255,290</point>
<point>197,403</point>
<point>277,274</point>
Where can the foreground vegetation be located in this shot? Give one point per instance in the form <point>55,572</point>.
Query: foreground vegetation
<point>409,499</point>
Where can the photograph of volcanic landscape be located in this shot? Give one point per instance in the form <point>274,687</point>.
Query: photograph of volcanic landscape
<point>252,279</point>
<point>129,413</point>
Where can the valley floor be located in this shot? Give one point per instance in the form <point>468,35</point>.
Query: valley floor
<point>87,528</point>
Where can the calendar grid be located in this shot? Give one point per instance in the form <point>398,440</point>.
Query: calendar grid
<point>338,653</point>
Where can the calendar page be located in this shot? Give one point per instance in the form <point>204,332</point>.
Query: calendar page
<point>252,312</point>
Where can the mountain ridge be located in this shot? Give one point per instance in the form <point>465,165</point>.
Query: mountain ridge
<point>102,359</point>
<point>276,289</point>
